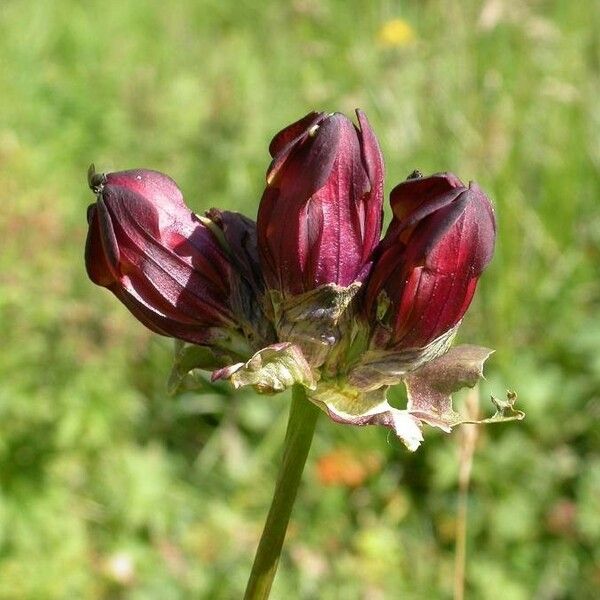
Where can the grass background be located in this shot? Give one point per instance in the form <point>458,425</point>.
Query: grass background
<point>111,489</point>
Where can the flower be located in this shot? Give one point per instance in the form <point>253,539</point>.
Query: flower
<point>396,33</point>
<point>161,260</point>
<point>438,244</point>
<point>319,219</point>
<point>309,296</point>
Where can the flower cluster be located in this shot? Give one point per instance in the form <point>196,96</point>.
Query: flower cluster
<point>309,294</point>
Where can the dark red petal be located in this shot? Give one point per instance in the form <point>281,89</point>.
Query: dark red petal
<point>155,321</point>
<point>430,260</point>
<point>289,140</point>
<point>158,257</point>
<point>423,195</point>
<point>370,149</point>
<point>481,212</point>
<point>373,209</point>
<point>292,133</point>
<point>336,216</point>
<point>307,166</point>
<point>101,268</point>
<point>241,237</point>
<point>414,199</point>
<point>160,189</point>
<point>194,287</point>
<point>320,217</point>
<point>431,230</point>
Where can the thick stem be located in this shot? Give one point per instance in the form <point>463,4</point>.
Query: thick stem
<point>298,437</point>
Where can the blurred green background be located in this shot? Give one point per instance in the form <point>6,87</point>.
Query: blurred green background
<point>111,489</point>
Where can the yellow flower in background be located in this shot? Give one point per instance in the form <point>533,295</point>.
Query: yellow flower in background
<point>396,33</point>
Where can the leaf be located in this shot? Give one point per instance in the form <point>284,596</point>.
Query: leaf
<point>430,387</point>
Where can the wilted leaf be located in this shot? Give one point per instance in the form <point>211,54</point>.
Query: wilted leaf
<point>377,368</point>
<point>351,406</point>
<point>430,388</point>
<point>272,369</point>
<point>505,411</point>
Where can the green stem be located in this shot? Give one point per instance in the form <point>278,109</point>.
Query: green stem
<point>298,437</point>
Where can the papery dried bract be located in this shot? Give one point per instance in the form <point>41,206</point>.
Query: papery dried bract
<point>272,369</point>
<point>320,215</point>
<point>439,242</point>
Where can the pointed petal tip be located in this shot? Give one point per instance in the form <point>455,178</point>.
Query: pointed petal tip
<point>290,133</point>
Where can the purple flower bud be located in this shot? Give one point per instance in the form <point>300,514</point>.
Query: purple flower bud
<point>157,257</point>
<point>438,244</point>
<point>246,283</point>
<point>320,216</point>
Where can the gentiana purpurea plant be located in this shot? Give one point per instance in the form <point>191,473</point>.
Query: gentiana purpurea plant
<point>308,297</point>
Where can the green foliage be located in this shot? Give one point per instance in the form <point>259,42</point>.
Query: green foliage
<point>111,489</point>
